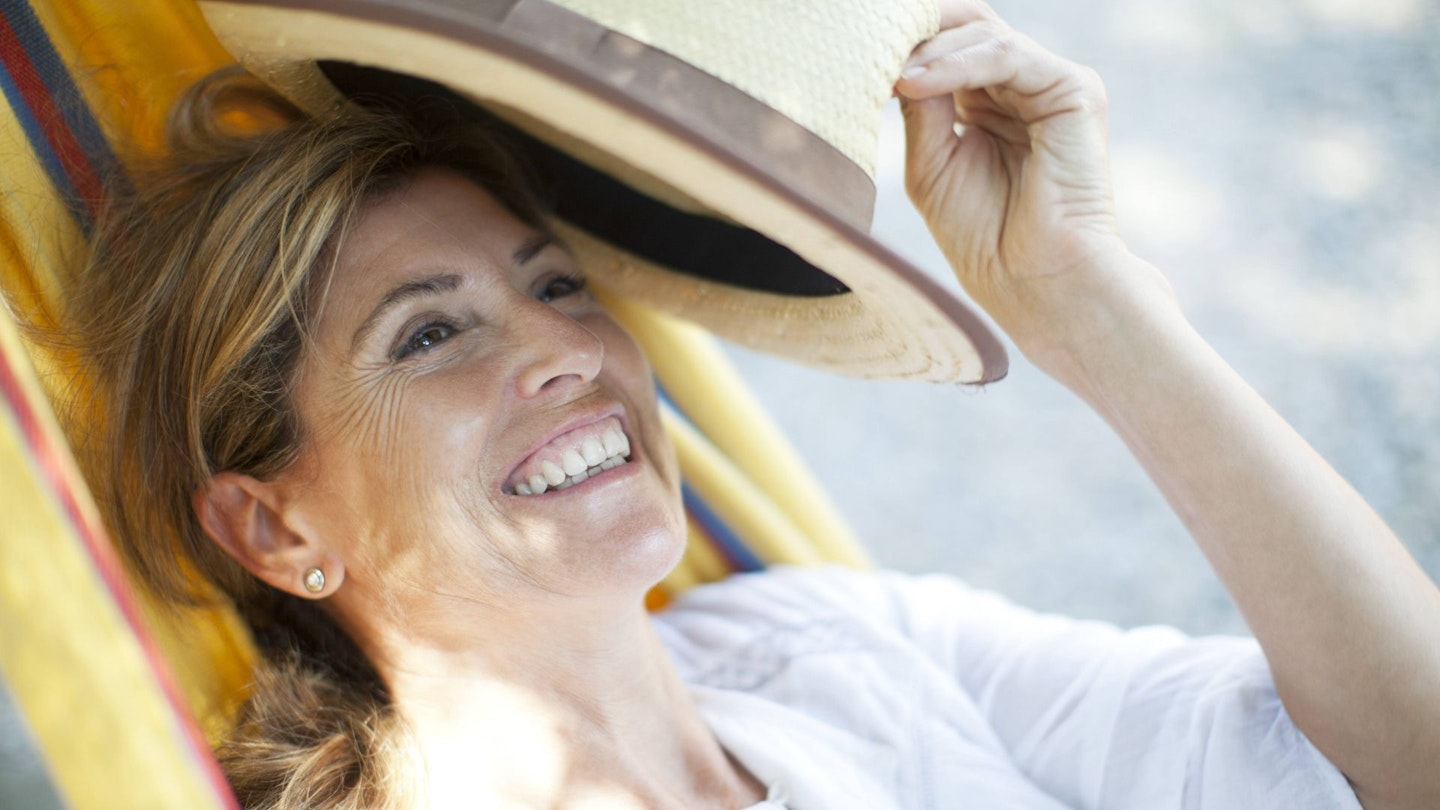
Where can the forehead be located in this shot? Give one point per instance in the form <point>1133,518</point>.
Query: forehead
<point>437,221</point>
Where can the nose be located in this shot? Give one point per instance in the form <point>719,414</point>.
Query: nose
<point>558,352</point>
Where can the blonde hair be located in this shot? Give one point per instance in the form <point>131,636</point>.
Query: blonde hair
<point>190,312</point>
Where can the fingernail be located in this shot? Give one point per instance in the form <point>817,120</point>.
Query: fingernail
<point>913,71</point>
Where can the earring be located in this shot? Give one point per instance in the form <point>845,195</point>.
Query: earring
<point>314,580</point>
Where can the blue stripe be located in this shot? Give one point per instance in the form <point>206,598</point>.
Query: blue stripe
<point>66,96</point>
<point>49,161</point>
<point>739,554</point>
<point>665,401</point>
<point>56,76</point>
<point>731,545</point>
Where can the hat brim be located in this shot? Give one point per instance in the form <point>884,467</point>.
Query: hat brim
<point>708,160</point>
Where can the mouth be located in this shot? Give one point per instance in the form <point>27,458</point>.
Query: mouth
<point>571,458</point>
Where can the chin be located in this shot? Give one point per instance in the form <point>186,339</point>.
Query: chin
<point>613,537</point>
<point>634,555</point>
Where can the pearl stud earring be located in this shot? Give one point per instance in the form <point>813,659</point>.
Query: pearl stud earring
<point>314,580</point>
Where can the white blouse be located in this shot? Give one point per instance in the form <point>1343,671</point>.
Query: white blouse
<point>879,690</point>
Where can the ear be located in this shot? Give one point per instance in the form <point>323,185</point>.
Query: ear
<point>245,517</point>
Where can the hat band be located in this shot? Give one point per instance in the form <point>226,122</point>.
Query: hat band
<point>695,244</point>
<point>631,75</point>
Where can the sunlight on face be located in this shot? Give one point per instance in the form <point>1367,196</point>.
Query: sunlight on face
<point>458,350</point>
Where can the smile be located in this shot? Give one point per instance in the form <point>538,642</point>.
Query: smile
<point>572,458</point>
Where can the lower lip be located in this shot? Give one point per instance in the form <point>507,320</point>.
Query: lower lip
<point>614,474</point>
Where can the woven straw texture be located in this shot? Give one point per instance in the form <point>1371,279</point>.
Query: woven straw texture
<point>818,48</point>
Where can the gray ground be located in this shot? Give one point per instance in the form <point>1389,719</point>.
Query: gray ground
<point>1280,160</point>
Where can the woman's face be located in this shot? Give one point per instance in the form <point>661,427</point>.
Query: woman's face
<point>459,364</point>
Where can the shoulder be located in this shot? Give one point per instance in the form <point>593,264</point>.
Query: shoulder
<point>790,595</point>
<point>783,604</point>
<point>909,604</point>
<point>969,631</point>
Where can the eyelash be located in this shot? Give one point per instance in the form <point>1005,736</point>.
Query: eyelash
<point>572,284</point>
<point>413,344</point>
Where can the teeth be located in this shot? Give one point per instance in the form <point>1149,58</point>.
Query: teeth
<point>538,484</point>
<point>593,451</point>
<point>614,441</point>
<point>594,456</point>
<point>573,463</point>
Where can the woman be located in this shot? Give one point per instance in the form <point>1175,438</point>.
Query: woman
<point>374,404</point>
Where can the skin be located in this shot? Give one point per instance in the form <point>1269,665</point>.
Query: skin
<point>511,631</point>
<point>1346,618</point>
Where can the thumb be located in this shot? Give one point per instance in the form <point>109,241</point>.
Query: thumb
<point>929,139</point>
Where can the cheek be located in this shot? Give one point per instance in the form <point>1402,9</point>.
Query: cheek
<point>398,460</point>
<point>368,418</point>
<point>399,444</point>
<point>629,371</point>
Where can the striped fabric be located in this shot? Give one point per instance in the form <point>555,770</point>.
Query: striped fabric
<point>62,132</point>
<point>121,695</point>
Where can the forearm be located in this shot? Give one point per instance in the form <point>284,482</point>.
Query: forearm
<point>1018,197</point>
<point>1349,623</point>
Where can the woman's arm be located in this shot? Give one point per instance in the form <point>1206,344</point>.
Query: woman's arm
<point>1020,203</point>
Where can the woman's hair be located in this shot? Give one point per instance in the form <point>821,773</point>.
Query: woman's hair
<point>191,310</point>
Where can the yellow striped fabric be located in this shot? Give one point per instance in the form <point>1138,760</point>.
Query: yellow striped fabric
<point>80,672</point>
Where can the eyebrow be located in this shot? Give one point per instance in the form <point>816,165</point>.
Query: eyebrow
<point>531,248</point>
<point>407,291</point>
<point>437,284</point>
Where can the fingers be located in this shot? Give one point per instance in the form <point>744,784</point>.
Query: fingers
<point>975,108</point>
<point>950,40</point>
<point>1020,78</point>
<point>982,55</point>
<point>929,136</point>
<point>959,12</point>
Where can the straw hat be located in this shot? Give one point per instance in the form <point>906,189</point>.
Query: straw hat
<point>714,158</point>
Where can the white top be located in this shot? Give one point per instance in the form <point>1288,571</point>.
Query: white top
<point>878,690</point>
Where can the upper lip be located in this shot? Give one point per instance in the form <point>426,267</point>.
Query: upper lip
<point>587,416</point>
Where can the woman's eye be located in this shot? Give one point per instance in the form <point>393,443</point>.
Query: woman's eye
<point>424,338</point>
<point>561,287</point>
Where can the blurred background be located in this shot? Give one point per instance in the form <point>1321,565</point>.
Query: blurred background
<point>1280,161</point>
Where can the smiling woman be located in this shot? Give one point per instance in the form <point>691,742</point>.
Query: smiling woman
<point>375,404</point>
<point>460,385</point>
<point>250,315</point>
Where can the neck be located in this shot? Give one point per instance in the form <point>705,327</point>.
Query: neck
<point>559,709</point>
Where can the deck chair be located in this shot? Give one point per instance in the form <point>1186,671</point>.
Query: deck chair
<point>123,696</point>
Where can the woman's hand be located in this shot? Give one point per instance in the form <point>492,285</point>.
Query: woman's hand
<point>1019,200</point>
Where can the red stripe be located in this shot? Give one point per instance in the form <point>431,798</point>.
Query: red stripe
<point>47,458</point>
<point>32,88</point>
